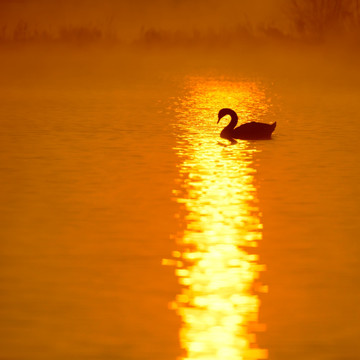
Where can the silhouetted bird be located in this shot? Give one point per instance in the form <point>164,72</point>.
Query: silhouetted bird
<point>249,131</point>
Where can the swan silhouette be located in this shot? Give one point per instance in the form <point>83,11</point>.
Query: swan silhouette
<point>248,131</point>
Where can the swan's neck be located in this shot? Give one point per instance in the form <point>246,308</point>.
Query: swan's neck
<point>234,119</point>
<point>227,132</point>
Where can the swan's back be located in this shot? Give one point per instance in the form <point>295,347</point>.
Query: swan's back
<point>254,130</point>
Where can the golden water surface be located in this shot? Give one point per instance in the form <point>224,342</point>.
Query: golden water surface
<point>99,166</point>
<point>216,260</point>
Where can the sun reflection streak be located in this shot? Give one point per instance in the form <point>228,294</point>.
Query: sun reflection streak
<point>216,263</point>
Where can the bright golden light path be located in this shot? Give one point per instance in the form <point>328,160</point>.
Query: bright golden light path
<point>216,260</point>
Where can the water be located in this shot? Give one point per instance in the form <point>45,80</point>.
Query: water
<point>130,230</point>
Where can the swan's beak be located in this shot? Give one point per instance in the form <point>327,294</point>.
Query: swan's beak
<point>218,119</point>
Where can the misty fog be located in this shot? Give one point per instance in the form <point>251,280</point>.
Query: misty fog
<point>126,18</point>
<point>278,34</point>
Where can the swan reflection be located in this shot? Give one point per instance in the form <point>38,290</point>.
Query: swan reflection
<point>216,260</point>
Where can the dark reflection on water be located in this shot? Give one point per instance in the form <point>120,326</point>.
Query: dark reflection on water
<point>216,259</point>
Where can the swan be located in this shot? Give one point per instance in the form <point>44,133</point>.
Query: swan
<point>248,131</point>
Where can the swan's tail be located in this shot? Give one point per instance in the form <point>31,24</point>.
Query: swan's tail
<point>273,126</point>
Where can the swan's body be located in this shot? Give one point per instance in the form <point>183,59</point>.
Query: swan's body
<point>248,131</point>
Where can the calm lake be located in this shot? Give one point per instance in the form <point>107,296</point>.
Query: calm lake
<point>130,230</point>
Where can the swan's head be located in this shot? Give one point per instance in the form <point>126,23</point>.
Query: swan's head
<point>226,111</point>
